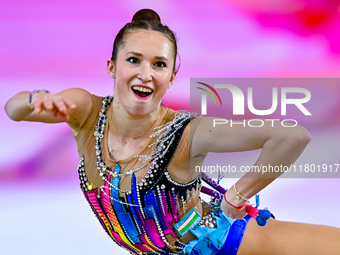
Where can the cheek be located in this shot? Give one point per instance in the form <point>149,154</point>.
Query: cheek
<point>163,84</point>
<point>122,80</point>
<point>166,79</point>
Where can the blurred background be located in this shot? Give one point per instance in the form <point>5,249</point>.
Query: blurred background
<point>60,44</point>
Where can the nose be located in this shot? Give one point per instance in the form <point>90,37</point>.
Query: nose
<point>145,72</point>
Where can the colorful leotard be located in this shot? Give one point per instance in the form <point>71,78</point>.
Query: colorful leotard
<point>155,214</point>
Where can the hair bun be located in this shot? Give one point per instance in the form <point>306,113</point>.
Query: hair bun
<point>146,14</point>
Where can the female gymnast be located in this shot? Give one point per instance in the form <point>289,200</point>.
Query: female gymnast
<point>135,156</point>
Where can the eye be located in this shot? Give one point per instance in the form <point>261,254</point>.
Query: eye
<point>160,64</point>
<point>133,60</point>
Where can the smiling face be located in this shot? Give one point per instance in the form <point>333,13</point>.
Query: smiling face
<point>143,71</point>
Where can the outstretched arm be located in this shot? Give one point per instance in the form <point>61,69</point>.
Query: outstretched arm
<point>70,106</point>
<point>280,146</point>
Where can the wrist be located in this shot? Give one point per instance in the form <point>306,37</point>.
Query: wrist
<point>30,97</point>
<point>230,198</point>
<point>238,194</point>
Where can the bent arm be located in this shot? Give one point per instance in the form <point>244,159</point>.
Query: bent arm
<point>70,106</point>
<point>280,146</point>
<point>280,149</point>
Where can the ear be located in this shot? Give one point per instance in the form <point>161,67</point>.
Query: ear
<point>172,80</point>
<point>110,68</point>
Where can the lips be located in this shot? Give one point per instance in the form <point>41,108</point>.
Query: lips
<point>142,92</point>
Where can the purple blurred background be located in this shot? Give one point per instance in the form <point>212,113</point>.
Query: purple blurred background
<point>60,44</point>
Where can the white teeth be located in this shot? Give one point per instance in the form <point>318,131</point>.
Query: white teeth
<point>142,89</point>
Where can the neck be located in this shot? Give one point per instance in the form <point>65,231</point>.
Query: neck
<point>125,126</point>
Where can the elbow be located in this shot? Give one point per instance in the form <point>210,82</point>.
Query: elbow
<point>307,135</point>
<point>10,114</point>
<point>300,136</point>
<point>14,118</point>
<point>293,137</point>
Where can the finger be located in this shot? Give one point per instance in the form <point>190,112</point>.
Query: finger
<point>57,114</point>
<point>61,106</point>
<point>240,216</point>
<point>54,112</point>
<point>49,105</point>
<point>37,107</point>
<point>69,103</point>
<point>62,117</point>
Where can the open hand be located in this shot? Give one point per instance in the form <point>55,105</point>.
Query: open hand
<point>57,105</point>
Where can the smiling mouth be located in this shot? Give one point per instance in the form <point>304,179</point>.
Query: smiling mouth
<point>141,91</point>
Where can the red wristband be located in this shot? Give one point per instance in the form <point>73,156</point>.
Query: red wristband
<point>236,207</point>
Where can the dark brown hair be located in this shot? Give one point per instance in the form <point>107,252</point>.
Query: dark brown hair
<point>145,19</point>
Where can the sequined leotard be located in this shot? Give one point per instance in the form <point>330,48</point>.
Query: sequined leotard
<point>155,215</point>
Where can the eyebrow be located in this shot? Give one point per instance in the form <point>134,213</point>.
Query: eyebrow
<point>139,55</point>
